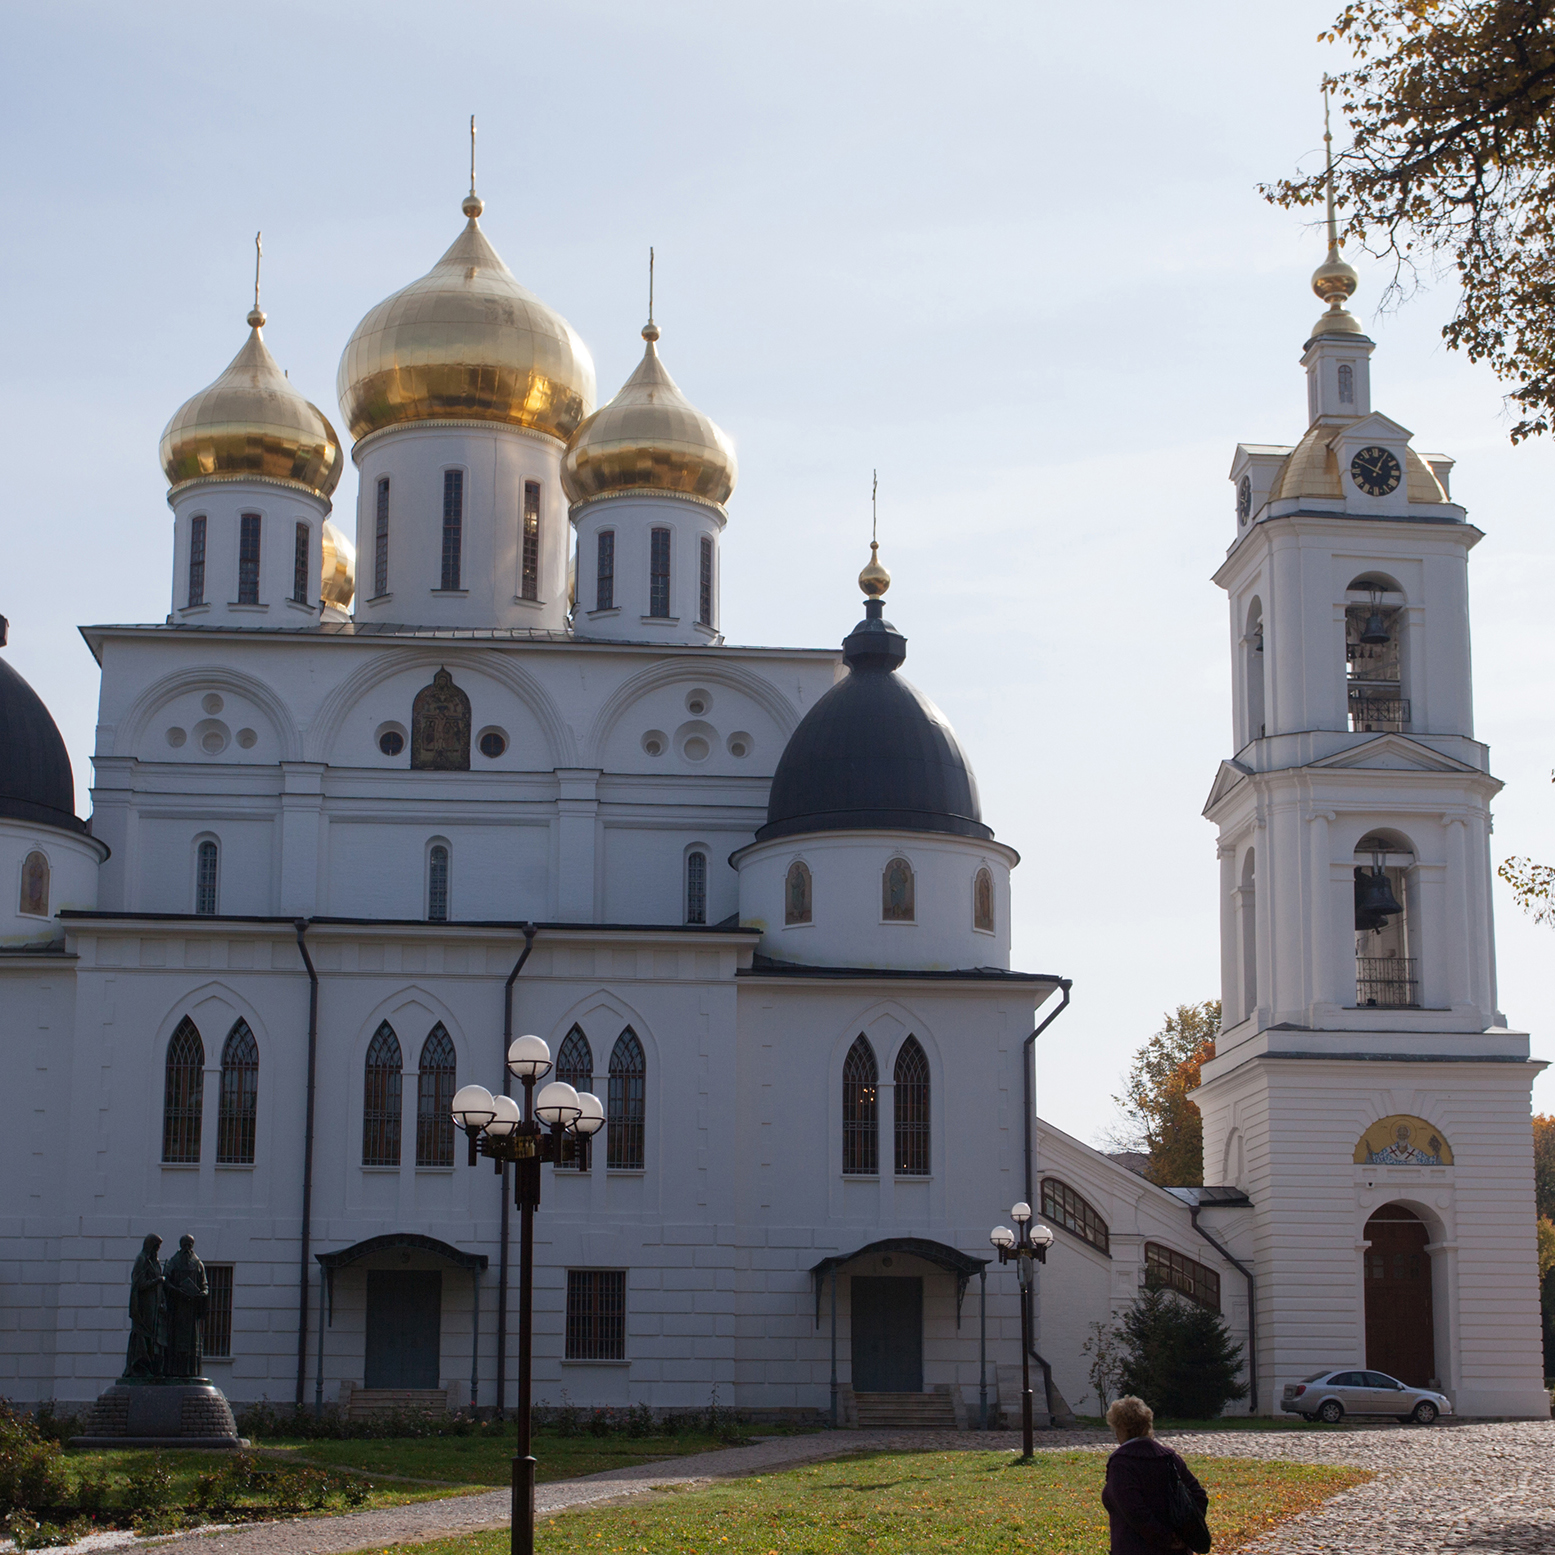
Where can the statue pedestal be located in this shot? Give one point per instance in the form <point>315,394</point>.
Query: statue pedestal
<point>162,1412</point>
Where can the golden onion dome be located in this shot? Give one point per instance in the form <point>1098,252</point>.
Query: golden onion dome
<point>252,423</point>
<point>337,582</point>
<point>874,580</point>
<point>650,437</point>
<point>466,343</point>
<point>1335,281</point>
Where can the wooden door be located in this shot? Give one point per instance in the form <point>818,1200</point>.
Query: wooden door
<point>404,1328</point>
<point>1400,1326</point>
<point>887,1333</point>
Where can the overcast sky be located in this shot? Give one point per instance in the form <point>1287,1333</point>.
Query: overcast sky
<point>1011,254</point>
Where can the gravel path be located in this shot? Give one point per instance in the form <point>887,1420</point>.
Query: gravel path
<point>1481,1488</point>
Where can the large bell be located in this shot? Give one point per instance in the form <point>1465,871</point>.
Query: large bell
<point>1375,902</point>
<point>1375,632</point>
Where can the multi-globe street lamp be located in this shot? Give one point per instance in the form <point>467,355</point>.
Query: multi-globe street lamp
<point>1029,1247</point>
<point>555,1126</point>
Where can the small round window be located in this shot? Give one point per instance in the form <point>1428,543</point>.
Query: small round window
<point>493,743</point>
<point>391,742</point>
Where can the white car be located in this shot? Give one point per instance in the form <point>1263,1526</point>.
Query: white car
<point>1331,1395</point>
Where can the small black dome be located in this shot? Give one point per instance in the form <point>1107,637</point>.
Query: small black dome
<point>874,754</point>
<point>35,780</point>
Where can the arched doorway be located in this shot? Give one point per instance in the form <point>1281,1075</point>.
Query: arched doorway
<point>1400,1327</point>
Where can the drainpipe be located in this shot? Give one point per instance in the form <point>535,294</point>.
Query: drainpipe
<point>1028,1118</point>
<point>307,1161</point>
<point>502,1259</point>
<point>1252,1308</point>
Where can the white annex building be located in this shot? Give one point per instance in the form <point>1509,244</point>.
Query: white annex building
<point>352,825</point>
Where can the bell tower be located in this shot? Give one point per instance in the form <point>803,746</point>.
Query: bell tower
<point>1357,947</point>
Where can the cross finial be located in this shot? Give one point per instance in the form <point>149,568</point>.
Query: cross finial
<point>256,317</point>
<point>650,329</point>
<point>473,204</point>
<point>874,508</point>
<point>472,153</point>
<point>1328,178</point>
<point>874,579</point>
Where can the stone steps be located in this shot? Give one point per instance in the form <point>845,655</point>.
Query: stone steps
<point>905,1411</point>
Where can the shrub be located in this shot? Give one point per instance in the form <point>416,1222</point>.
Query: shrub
<point>149,1486</point>
<point>32,1468</point>
<point>1179,1357</point>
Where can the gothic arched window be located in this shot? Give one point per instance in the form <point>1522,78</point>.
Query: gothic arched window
<point>238,1105</point>
<point>982,900</point>
<point>437,883</point>
<point>35,886</point>
<point>383,1080</point>
<point>183,1094</point>
<point>896,892</point>
<point>860,1110</point>
<point>912,1111</point>
<point>435,1087</point>
<point>696,888</point>
<point>575,1061</point>
<point>206,863</point>
<point>797,900</point>
<point>628,1104</point>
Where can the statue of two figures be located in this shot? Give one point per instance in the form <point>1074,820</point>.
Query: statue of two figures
<point>167,1312</point>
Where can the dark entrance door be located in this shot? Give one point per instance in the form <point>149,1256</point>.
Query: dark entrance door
<point>404,1325</point>
<point>887,1333</point>
<point>1400,1332</point>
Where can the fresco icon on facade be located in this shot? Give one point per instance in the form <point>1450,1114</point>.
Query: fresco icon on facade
<point>440,727</point>
<point>1402,1140</point>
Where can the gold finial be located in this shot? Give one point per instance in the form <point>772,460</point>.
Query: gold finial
<point>256,317</point>
<point>874,579</point>
<point>1333,280</point>
<point>473,204</point>
<point>650,329</point>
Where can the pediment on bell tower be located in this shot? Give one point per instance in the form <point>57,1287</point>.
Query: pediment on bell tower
<point>1230,774</point>
<point>1395,753</point>
<point>1375,428</point>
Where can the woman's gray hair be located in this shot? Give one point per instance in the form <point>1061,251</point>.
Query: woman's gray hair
<point>1130,1417</point>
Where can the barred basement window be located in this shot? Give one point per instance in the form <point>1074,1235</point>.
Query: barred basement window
<point>705,592</point>
<point>659,573</point>
<point>435,1087</point>
<point>237,1110</point>
<point>183,1096</point>
<point>437,884</point>
<point>605,572</point>
<point>1176,1271</point>
<point>529,584</point>
<point>1062,1206</point>
<point>453,527</point>
<point>248,559</point>
<point>384,1077</point>
<point>596,1314</point>
<point>627,1108</point>
<point>860,1111</point>
<point>197,559</point>
<point>696,888</point>
<point>218,1310</point>
<point>206,867</point>
<point>381,541</point>
<point>912,1111</point>
<point>575,1062</point>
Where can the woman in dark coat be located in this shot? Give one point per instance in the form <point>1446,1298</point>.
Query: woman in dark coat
<point>1139,1482</point>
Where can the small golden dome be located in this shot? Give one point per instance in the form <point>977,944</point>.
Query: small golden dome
<point>465,343</point>
<point>650,437</point>
<point>1335,281</point>
<point>337,583</point>
<point>251,422</point>
<point>874,579</point>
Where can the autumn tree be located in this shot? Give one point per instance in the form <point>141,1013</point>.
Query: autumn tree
<point>1450,109</point>
<point>1159,1119</point>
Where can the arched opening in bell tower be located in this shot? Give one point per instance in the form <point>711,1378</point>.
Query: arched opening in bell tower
<point>1373,648</point>
<point>1247,913</point>
<point>1252,673</point>
<point>1385,971</point>
<point>1400,1315</point>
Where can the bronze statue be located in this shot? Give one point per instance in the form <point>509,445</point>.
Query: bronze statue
<point>188,1294</point>
<point>148,1313</point>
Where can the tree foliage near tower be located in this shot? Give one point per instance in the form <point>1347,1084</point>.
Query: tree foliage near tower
<point>1159,1118</point>
<point>1450,106</point>
<point>1179,1357</point>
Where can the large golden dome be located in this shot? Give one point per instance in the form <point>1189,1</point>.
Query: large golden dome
<point>466,343</point>
<point>251,422</point>
<point>649,437</point>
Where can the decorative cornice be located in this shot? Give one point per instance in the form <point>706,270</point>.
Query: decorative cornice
<point>250,480</point>
<point>452,423</point>
<point>647,491</point>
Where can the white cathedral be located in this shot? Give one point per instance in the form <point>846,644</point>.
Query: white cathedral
<point>352,828</point>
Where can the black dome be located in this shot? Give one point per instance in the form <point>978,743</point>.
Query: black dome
<point>35,780</point>
<point>873,754</point>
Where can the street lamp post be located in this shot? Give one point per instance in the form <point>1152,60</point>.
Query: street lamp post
<point>555,1126</point>
<point>1029,1247</point>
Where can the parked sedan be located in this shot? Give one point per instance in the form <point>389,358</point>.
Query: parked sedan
<point>1331,1395</point>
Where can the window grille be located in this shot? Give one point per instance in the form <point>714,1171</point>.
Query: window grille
<point>696,888</point>
<point>705,586</point>
<point>605,572</point>
<point>218,1310</point>
<point>435,1087</point>
<point>1176,1271</point>
<point>248,559</point>
<point>596,1314</point>
<point>659,573</point>
<point>797,902</point>
<point>628,1104</point>
<point>453,527</point>
<point>1063,1207</point>
<point>183,1097</point>
<point>300,565</point>
<point>530,580</point>
<point>207,858</point>
<point>384,1079</point>
<point>575,1062</point>
<point>238,1111</point>
<point>197,559</point>
<point>912,1111</point>
<point>860,1111</point>
<point>381,541</point>
<point>437,884</point>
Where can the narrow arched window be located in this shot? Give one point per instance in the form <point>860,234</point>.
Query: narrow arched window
<point>1346,384</point>
<point>437,883</point>
<point>435,1087</point>
<point>659,572</point>
<point>197,560</point>
<point>300,564</point>
<point>381,541</point>
<point>860,1110</point>
<point>705,584</point>
<point>605,571</point>
<point>529,580</point>
<point>183,1094</point>
<point>248,559</point>
<point>238,1110</point>
<point>797,905</point>
<point>912,1111</point>
<point>35,886</point>
<point>696,888</point>
<point>628,1104</point>
<point>453,528</point>
<point>206,862</point>
<point>896,892</point>
<point>383,1079</point>
<point>575,1061</point>
<point>982,900</point>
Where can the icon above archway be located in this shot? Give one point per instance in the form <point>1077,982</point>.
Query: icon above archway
<point>1403,1140</point>
<point>440,727</point>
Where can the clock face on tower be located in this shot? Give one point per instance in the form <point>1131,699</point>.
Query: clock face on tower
<point>1375,471</point>
<point>1244,499</point>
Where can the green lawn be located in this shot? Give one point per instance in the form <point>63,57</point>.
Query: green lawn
<point>911,1503</point>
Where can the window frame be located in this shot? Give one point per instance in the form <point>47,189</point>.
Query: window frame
<point>1092,1229</point>
<point>579,1077</point>
<point>451,574</point>
<point>605,570</point>
<point>660,560</point>
<point>595,1297</point>
<point>439,887</point>
<point>861,1109</point>
<point>221,1277</point>
<point>383,1125</point>
<point>705,582</point>
<point>696,885</point>
<point>435,1087</point>
<point>529,543</point>
<point>197,534</point>
<point>912,1103</point>
<point>250,553</point>
<point>207,890</point>
<point>626,1105</point>
<point>381,538</point>
<point>183,1098</point>
<point>237,1098</point>
<point>302,555</point>
<point>1168,1269</point>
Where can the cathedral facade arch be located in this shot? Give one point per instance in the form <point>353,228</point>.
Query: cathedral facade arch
<point>888,1025</point>
<point>412,1011</point>
<point>135,735</point>
<point>602,1016</point>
